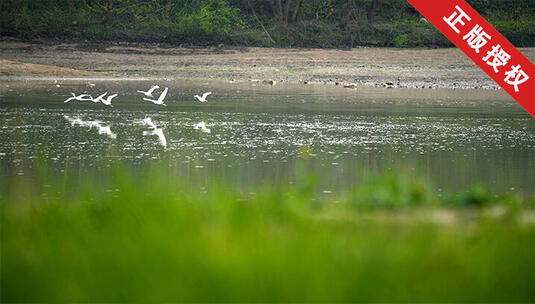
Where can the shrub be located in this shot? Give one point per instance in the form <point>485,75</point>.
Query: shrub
<point>401,41</point>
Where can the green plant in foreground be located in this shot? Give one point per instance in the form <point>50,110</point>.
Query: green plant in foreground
<point>140,237</point>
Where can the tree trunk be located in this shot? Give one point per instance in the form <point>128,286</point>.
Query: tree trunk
<point>109,13</point>
<point>287,10</point>
<point>350,17</point>
<point>296,10</point>
<point>283,10</point>
<point>280,10</point>
<point>274,7</point>
<point>348,13</point>
<point>259,22</point>
<point>371,11</point>
<point>169,2</point>
<point>2,10</point>
<point>71,7</point>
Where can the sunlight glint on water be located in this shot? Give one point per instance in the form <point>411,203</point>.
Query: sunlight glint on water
<point>260,136</point>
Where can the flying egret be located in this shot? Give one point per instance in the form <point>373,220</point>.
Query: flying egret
<point>160,99</point>
<point>99,98</point>
<point>82,97</point>
<point>203,97</point>
<point>107,101</point>
<point>201,126</point>
<point>149,92</point>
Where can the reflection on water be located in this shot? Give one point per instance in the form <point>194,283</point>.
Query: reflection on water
<point>202,127</point>
<point>91,124</point>
<point>250,136</point>
<point>154,131</point>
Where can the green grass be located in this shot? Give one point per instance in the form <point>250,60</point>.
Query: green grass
<point>141,236</point>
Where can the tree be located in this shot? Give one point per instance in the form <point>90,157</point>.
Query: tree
<point>286,10</point>
<point>350,18</point>
<point>374,5</point>
<point>109,12</point>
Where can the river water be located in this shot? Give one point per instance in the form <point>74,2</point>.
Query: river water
<point>256,135</point>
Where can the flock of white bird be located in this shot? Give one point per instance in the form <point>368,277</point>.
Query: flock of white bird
<point>154,130</point>
<point>107,100</point>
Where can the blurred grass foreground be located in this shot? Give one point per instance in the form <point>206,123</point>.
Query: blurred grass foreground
<point>144,237</point>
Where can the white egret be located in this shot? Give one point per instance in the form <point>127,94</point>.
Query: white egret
<point>149,92</point>
<point>99,98</point>
<point>107,101</point>
<point>82,97</point>
<point>203,97</point>
<point>160,99</point>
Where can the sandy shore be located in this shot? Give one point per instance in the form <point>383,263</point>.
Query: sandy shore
<point>439,68</point>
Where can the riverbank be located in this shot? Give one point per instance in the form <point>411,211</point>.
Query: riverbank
<point>406,68</point>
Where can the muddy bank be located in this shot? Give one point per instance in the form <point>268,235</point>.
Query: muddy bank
<point>28,70</point>
<point>412,68</point>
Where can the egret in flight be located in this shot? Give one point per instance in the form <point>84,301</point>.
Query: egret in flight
<point>99,98</point>
<point>203,97</point>
<point>82,97</point>
<point>107,101</point>
<point>160,99</point>
<point>149,92</point>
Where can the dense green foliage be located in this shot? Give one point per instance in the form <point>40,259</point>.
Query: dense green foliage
<point>284,23</point>
<point>138,235</point>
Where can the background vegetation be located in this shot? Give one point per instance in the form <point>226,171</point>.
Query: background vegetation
<point>280,23</point>
<point>137,235</point>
